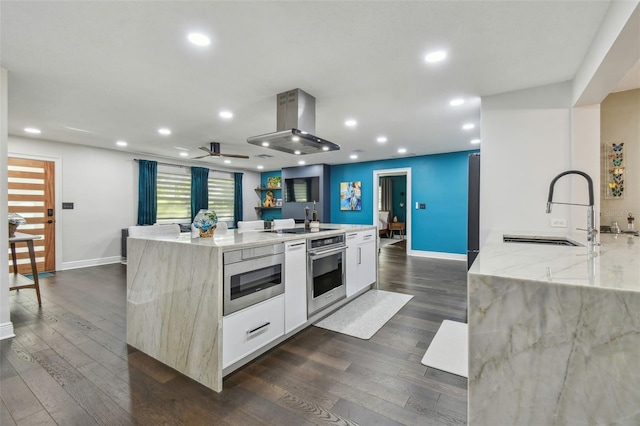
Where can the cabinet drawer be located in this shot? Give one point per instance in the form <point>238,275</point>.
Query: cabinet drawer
<point>369,235</point>
<point>245,331</point>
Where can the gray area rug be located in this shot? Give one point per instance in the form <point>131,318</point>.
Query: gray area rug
<point>364,316</point>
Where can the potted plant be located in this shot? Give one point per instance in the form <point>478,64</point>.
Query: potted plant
<point>206,221</point>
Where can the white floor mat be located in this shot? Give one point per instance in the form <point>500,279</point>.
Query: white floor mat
<point>364,316</point>
<point>449,349</point>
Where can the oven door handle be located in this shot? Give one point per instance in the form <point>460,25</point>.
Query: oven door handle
<point>326,252</point>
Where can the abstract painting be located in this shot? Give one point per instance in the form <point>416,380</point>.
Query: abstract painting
<point>351,195</point>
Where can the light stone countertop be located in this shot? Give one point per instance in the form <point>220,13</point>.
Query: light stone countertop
<point>612,265</point>
<point>554,332</point>
<point>234,238</point>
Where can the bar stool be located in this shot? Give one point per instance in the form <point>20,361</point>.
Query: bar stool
<point>18,281</point>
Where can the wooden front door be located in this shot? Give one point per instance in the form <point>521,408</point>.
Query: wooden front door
<point>32,196</point>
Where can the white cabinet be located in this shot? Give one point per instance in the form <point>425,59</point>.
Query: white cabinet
<point>361,260</point>
<point>248,330</point>
<point>295,284</point>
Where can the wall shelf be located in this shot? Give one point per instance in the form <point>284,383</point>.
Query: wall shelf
<point>268,208</point>
<point>267,189</point>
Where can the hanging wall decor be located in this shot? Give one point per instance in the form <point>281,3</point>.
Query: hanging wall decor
<point>614,170</point>
<point>351,195</point>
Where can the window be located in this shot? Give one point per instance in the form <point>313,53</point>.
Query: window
<point>174,195</point>
<point>221,195</point>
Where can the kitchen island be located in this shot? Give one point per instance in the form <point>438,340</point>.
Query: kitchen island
<point>175,297</point>
<point>554,332</point>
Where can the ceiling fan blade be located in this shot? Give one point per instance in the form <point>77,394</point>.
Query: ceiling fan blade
<point>234,156</point>
<point>202,156</point>
<point>204,148</point>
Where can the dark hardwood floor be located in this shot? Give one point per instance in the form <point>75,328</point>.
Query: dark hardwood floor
<point>69,363</point>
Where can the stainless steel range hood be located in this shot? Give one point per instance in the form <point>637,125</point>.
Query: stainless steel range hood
<point>296,123</point>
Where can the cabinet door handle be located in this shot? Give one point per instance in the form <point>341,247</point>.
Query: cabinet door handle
<point>255,330</point>
<point>359,255</point>
<point>297,244</point>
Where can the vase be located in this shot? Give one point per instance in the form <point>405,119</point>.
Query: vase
<point>207,233</point>
<point>12,229</point>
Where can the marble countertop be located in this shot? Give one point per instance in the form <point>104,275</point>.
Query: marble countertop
<point>234,238</point>
<point>612,264</point>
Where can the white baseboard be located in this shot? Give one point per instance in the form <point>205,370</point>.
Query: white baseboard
<point>438,255</point>
<point>90,262</point>
<point>6,330</point>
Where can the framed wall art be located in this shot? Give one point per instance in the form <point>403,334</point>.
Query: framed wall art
<point>351,195</point>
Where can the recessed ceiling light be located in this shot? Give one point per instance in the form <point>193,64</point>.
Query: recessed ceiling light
<point>436,56</point>
<point>301,162</point>
<point>351,123</point>
<point>265,143</point>
<point>382,139</point>
<point>184,154</point>
<point>260,167</point>
<point>32,130</point>
<point>402,150</point>
<point>199,39</point>
<point>121,143</point>
<point>226,114</point>
<point>468,126</point>
<point>325,148</point>
<point>456,102</point>
<point>164,131</point>
<point>227,161</point>
<point>475,141</point>
<point>353,156</point>
<point>296,152</point>
<point>295,138</point>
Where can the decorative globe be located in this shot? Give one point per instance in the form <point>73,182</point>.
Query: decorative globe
<point>206,222</point>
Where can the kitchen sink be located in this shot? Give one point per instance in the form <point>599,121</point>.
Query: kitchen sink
<point>532,239</point>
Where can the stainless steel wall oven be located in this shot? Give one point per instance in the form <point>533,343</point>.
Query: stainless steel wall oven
<point>326,282</point>
<point>252,275</point>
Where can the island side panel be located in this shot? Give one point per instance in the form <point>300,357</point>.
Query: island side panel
<point>543,353</point>
<point>174,306</point>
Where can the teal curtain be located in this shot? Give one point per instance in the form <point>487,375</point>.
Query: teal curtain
<point>147,192</point>
<point>237,198</point>
<point>199,190</point>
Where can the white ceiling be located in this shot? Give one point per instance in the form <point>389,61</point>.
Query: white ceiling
<point>121,70</point>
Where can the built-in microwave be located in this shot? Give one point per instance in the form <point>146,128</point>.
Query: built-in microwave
<point>252,275</point>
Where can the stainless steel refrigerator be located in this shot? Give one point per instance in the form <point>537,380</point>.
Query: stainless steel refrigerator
<point>473,216</point>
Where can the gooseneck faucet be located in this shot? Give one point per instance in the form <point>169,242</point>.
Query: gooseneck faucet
<point>591,228</point>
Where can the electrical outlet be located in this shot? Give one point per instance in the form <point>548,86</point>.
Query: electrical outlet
<point>559,223</point>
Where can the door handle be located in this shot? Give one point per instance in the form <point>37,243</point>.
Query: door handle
<point>50,221</point>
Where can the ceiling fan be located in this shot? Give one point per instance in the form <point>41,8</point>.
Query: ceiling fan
<point>214,151</point>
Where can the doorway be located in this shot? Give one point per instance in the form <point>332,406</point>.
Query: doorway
<point>31,185</point>
<point>401,203</point>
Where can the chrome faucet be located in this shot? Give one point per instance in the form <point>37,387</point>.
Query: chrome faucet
<point>591,228</point>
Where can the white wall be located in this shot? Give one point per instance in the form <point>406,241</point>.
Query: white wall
<point>250,197</point>
<point>526,142</point>
<point>6,326</point>
<point>585,156</point>
<point>103,185</point>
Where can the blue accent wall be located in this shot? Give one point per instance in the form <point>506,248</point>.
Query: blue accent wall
<point>440,181</point>
<point>399,197</point>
